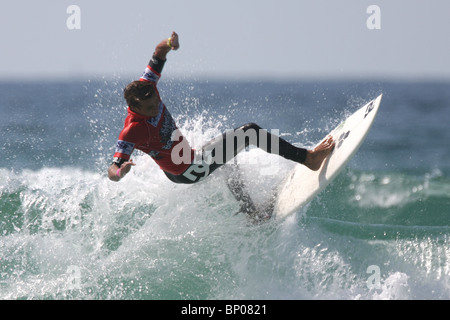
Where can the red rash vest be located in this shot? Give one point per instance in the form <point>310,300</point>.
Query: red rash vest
<point>157,136</point>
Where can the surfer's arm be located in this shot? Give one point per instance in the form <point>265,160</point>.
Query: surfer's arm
<point>156,63</point>
<point>115,173</point>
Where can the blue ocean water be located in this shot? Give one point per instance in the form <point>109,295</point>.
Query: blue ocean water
<point>381,230</point>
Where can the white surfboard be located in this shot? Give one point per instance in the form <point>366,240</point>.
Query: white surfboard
<point>302,184</point>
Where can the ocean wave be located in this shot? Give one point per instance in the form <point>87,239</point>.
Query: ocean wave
<point>71,233</point>
<point>386,198</point>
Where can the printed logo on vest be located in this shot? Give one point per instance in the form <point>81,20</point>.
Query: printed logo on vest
<point>124,147</point>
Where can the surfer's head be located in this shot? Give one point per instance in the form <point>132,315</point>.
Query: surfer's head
<point>138,94</point>
<point>138,91</point>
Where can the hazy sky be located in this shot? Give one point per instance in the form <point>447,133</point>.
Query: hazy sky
<point>233,38</point>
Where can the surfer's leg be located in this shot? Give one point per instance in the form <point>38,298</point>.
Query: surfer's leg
<point>315,157</point>
<point>225,147</point>
<point>239,190</point>
<point>273,144</point>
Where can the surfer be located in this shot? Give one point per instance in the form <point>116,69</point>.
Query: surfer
<point>149,127</point>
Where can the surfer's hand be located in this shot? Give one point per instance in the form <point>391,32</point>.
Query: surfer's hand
<point>125,168</point>
<point>174,42</point>
<point>166,45</point>
<point>315,157</point>
<point>115,173</point>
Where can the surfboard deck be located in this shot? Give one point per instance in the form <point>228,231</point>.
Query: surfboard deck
<point>303,184</point>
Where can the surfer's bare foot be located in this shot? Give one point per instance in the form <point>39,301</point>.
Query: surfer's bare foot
<point>315,157</point>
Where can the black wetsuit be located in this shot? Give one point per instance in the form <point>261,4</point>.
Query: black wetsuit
<point>225,147</point>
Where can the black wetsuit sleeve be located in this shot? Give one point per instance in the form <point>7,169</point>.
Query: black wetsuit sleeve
<point>118,161</point>
<point>156,64</point>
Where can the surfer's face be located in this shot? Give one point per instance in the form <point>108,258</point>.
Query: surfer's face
<point>149,107</point>
<point>142,98</point>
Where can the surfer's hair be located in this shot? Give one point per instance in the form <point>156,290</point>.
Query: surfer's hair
<point>137,91</point>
